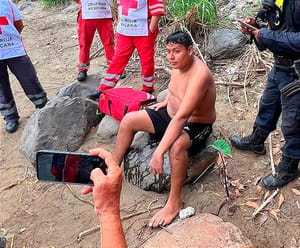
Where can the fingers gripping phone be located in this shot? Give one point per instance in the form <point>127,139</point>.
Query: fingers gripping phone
<point>247,25</point>
<point>67,167</point>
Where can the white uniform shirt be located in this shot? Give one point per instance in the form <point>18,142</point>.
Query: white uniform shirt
<point>11,45</point>
<point>133,16</point>
<point>95,9</point>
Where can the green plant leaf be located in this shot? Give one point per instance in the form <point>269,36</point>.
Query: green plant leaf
<point>222,146</point>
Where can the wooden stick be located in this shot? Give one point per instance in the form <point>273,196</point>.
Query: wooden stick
<point>265,203</point>
<point>79,198</point>
<point>271,155</point>
<point>87,232</point>
<point>195,44</point>
<point>230,84</point>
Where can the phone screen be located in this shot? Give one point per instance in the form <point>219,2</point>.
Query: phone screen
<point>67,167</point>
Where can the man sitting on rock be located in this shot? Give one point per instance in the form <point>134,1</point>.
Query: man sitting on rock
<point>183,119</point>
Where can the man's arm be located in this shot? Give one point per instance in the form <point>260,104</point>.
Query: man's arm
<point>279,42</point>
<point>19,25</point>
<point>157,9</point>
<point>154,23</point>
<point>106,193</point>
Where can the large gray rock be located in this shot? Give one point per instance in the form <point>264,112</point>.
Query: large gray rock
<point>63,123</point>
<point>137,160</point>
<point>107,130</point>
<point>202,230</point>
<point>226,43</point>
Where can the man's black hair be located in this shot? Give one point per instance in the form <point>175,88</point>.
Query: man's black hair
<point>180,37</point>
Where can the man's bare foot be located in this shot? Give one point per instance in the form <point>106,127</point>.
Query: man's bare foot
<point>166,215</point>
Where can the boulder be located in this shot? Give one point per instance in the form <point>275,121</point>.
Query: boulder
<point>136,163</point>
<point>226,43</point>
<point>202,230</point>
<point>63,123</point>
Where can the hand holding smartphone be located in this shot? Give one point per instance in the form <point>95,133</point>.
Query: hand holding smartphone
<point>67,167</point>
<point>247,28</point>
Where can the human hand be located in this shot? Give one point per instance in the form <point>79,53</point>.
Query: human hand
<point>249,20</point>
<point>107,188</point>
<point>158,105</point>
<point>157,163</point>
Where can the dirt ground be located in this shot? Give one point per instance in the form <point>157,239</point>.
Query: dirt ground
<point>35,214</point>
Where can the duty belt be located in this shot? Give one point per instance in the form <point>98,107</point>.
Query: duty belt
<point>284,61</point>
<point>287,64</point>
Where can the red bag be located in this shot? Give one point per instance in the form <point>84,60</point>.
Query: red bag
<point>116,102</point>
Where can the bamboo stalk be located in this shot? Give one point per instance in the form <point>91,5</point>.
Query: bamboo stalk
<point>271,155</point>
<point>265,203</point>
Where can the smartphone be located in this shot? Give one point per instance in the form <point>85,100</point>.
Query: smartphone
<point>67,167</point>
<point>247,24</point>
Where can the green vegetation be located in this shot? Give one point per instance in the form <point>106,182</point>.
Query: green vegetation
<point>55,2</point>
<point>202,11</point>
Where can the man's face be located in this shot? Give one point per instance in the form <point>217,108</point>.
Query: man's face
<point>178,55</point>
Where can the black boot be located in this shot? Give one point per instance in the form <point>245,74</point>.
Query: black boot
<point>94,96</point>
<point>254,142</point>
<point>286,171</point>
<point>81,76</point>
<point>11,126</point>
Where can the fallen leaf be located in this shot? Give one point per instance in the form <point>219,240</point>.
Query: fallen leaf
<point>296,191</point>
<point>281,200</point>
<point>274,213</point>
<point>262,218</point>
<point>237,193</point>
<point>235,182</point>
<point>257,180</point>
<point>251,204</point>
<point>267,194</point>
<point>276,149</point>
<point>252,199</point>
<point>258,189</point>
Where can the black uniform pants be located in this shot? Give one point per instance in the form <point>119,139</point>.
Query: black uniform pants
<point>25,73</point>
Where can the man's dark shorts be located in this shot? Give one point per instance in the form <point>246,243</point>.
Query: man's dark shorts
<point>198,132</point>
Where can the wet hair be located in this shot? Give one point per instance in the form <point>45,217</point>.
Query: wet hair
<point>180,37</point>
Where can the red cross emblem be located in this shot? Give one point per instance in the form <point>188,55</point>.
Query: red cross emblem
<point>128,4</point>
<point>3,21</point>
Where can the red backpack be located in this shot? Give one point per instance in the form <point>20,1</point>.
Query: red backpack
<point>116,102</point>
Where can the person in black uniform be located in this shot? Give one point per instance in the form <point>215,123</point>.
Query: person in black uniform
<point>278,24</point>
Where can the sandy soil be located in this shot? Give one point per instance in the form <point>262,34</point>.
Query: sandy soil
<point>35,214</point>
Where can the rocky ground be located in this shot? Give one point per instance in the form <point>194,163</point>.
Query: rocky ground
<point>35,214</point>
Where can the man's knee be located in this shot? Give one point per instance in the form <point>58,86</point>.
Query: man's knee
<point>128,121</point>
<point>180,146</point>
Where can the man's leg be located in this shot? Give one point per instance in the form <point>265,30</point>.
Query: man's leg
<point>24,71</point>
<point>130,124</point>
<point>123,52</point>
<point>8,106</point>
<point>287,170</point>
<point>267,117</point>
<point>106,33</point>
<point>86,31</point>
<point>178,156</point>
<point>146,48</point>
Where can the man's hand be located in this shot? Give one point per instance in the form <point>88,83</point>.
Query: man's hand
<point>158,105</point>
<point>157,164</point>
<point>107,188</point>
<point>246,29</point>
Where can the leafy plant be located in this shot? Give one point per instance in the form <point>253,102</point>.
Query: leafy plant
<point>203,11</point>
<point>222,146</point>
<point>55,2</point>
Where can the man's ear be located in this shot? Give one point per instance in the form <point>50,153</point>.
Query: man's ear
<point>190,50</point>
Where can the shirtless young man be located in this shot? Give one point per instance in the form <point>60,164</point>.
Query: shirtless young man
<point>183,119</point>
